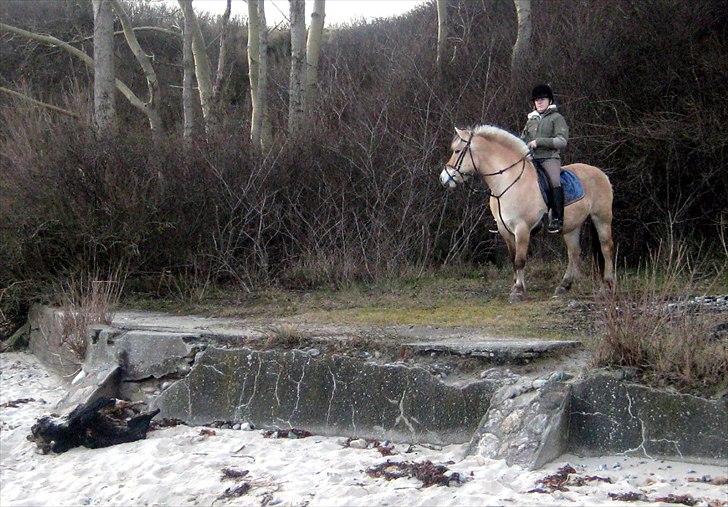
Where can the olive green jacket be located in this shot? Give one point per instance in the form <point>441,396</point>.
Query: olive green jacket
<point>549,130</point>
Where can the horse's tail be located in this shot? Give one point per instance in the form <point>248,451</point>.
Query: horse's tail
<point>596,247</point>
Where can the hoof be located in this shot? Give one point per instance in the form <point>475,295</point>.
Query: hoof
<point>560,291</point>
<point>516,297</point>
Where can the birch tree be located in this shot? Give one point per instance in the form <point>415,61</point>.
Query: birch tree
<point>442,34</point>
<point>522,47</point>
<point>203,71</point>
<point>103,67</point>
<point>260,131</point>
<point>222,55</point>
<point>86,59</point>
<point>188,76</point>
<point>298,59</point>
<point>155,91</point>
<point>313,50</point>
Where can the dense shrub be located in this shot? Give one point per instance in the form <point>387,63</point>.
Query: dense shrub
<point>641,83</point>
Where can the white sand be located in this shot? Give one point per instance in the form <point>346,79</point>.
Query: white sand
<point>177,466</point>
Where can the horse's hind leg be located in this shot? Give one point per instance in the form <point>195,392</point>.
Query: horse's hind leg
<point>603,225</point>
<point>573,248</point>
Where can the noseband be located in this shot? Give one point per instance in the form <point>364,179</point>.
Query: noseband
<point>459,162</point>
<point>458,167</point>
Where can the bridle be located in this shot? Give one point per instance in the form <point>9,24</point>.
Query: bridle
<point>458,168</point>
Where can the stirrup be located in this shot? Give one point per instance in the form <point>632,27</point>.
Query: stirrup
<point>555,227</point>
<point>493,229</point>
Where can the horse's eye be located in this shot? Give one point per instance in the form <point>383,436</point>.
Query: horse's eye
<point>457,151</point>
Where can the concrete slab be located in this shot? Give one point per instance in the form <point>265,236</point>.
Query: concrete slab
<point>503,350</point>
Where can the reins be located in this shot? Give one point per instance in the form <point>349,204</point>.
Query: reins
<point>458,165</point>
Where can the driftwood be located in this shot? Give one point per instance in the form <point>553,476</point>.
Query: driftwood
<point>100,423</point>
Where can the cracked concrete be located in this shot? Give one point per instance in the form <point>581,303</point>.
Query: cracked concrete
<point>330,395</point>
<point>610,416</point>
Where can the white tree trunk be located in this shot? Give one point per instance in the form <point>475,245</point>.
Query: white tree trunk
<point>313,50</point>
<point>155,91</point>
<point>188,77</point>
<point>103,65</point>
<point>202,64</point>
<point>253,66</point>
<point>298,59</point>
<point>442,34</point>
<point>222,56</point>
<point>266,135</point>
<point>522,47</point>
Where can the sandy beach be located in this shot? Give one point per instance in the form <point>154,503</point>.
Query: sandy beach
<point>181,466</point>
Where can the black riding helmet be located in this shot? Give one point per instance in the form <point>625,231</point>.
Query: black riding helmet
<point>542,91</point>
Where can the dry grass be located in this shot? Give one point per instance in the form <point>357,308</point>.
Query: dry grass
<point>86,300</point>
<point>652,329</point>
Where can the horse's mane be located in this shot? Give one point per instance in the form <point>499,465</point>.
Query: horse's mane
<point>502,136</point>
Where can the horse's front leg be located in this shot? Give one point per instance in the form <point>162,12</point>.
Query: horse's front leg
<point>572,270</point>
<point>523,235</point>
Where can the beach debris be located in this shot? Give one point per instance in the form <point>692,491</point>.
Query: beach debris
<point>235,491</point>
<point>385,448</point>
<point>564,477</point>
<point>15,403</point>
<point>164,423</point>
<point>100,423</point>
<point>233,473</point>
<point>678,499</point>
<point>632,496</point>
<point>555,481</point>
<point>359,443</point>
<point>707,479</point>
<point>207,432</point>
<point>425,471</point>
<point>247,426</point>
<point>286,433</point>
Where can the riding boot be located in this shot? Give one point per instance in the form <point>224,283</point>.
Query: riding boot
<point>557,211</point>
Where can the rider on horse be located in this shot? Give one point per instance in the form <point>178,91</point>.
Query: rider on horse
<point>546,133</point>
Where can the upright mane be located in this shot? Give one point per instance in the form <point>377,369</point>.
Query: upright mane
<point>502,136</point>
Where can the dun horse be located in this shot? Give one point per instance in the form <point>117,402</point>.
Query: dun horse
<point>503,161</point>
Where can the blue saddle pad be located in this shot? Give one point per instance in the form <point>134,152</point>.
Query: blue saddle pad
<point>573,189</point>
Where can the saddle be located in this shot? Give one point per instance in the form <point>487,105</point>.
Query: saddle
<point>570,182</point>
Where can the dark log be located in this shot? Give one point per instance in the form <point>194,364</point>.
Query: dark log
<point>99,423</point>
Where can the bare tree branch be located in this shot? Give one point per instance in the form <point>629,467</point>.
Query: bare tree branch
<point>39,103</point>
<point>52,41</point>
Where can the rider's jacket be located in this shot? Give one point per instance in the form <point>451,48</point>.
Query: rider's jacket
<point>549,130</point>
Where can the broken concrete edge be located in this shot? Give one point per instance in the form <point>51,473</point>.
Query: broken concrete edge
<point>46,342</point>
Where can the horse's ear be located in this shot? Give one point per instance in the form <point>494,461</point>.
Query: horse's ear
<point>462,134</point>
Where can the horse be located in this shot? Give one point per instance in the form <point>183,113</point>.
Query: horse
<point>504,163</point>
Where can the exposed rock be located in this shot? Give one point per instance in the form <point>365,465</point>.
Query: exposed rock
<point>525,423</point>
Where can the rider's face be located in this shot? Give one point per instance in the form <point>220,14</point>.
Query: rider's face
<point>541,104</point>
